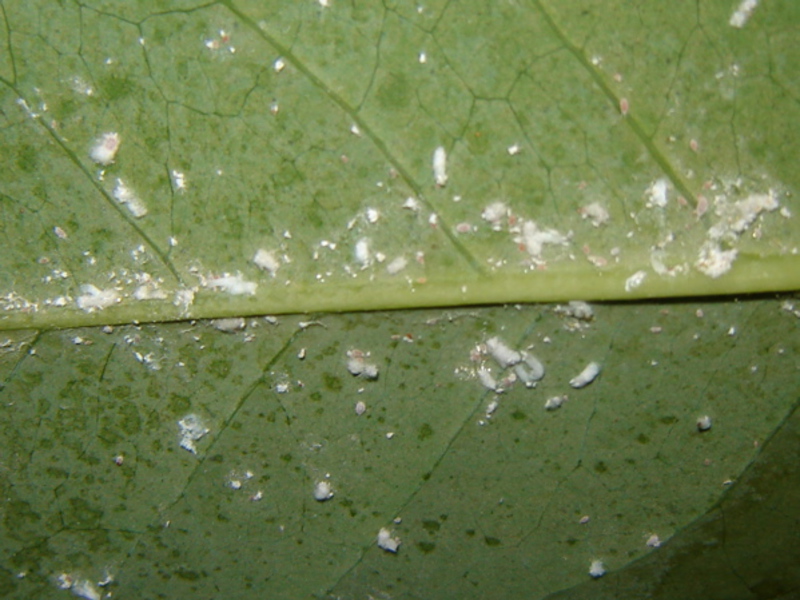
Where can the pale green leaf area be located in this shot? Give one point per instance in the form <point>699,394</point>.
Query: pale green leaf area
<point>596,150</point>
<point>484,505</point>
<point>607,140</point>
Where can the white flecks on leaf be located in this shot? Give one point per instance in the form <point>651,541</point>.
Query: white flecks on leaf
<point>502,353</point>
<point>125,195</point>
<point>386,541</point>
<point>93,298</point>
<point>657,193</point>
<point>372,215</point>
<point>585,377</point>
<point>323,491</point>
<point>440,166</point>
<point>713,261</point>
<point>596,213</point>
<point>534,238</point>
<point>236,285</point>
<point>496,213</point>
<point>264,259</point>
<point>105,148</point>
<point>742,14</point>
<point>183,299</point>
<point>635,280</point>
<point>514,149</point>
<point>149,291</point>
<point>577,309</point>
<point>191,429</point>
<point>736,218</point>
<point>597,569</point>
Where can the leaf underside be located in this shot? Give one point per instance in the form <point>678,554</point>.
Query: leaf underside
<point>593,151</point>
<point>277,157</point>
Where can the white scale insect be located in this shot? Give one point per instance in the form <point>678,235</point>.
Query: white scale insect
<point>585,377</point>
<point>440,166</point>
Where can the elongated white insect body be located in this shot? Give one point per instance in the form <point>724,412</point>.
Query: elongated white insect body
<point>585,377</point>
<point>530,370</point>
<point>440,166</point>
<point>504,355</point>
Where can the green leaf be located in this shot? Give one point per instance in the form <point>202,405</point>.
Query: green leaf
<point>479,501</point>
<point>301,130</point>
<point>194,458</point>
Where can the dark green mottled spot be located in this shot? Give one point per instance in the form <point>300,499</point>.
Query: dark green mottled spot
<point>431,526</point>
<point>332,382</point>
<point>425,431</point>
<point>642,438</point>
<point>426,547</point>
<point>669,420</point>
<point>518,415</point>
<point>491,541</point>
<point>600,467</point>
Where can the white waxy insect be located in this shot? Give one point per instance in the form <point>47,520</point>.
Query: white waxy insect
<point>704,423</point>
<point>229,325</point>
<point>192,429</point>
<point>487,379</point>
<point>235,285</point>
<point>360,408</point>
<point>657,193</point>
<point>501,353</point>
<point>357,365</point>
<point>264,259</point>
<point>585,377</point>
<point>635,280</point>
<point>323,491</point>
<point>440,166</point>
<point>495,213</point>
<point>386,541</point>
<point>397,265</point>
<point>555,402</point>
<point>93,298</point>
<point>362,253</point>
<point>125,195</point>
<point>372,215</point>
<point>742,14</point>
<point>597,569</point>
<point>514,149</point>
<point>529,370</point>
<point>178,180</point>
<point>653,541</point>
<point>534,238</point>
<point>279,65</point>
<point>411,204</point>
<point>577,309</point>
<point>105,148</point>
<point>713,261</point>
<point>596,213</point>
